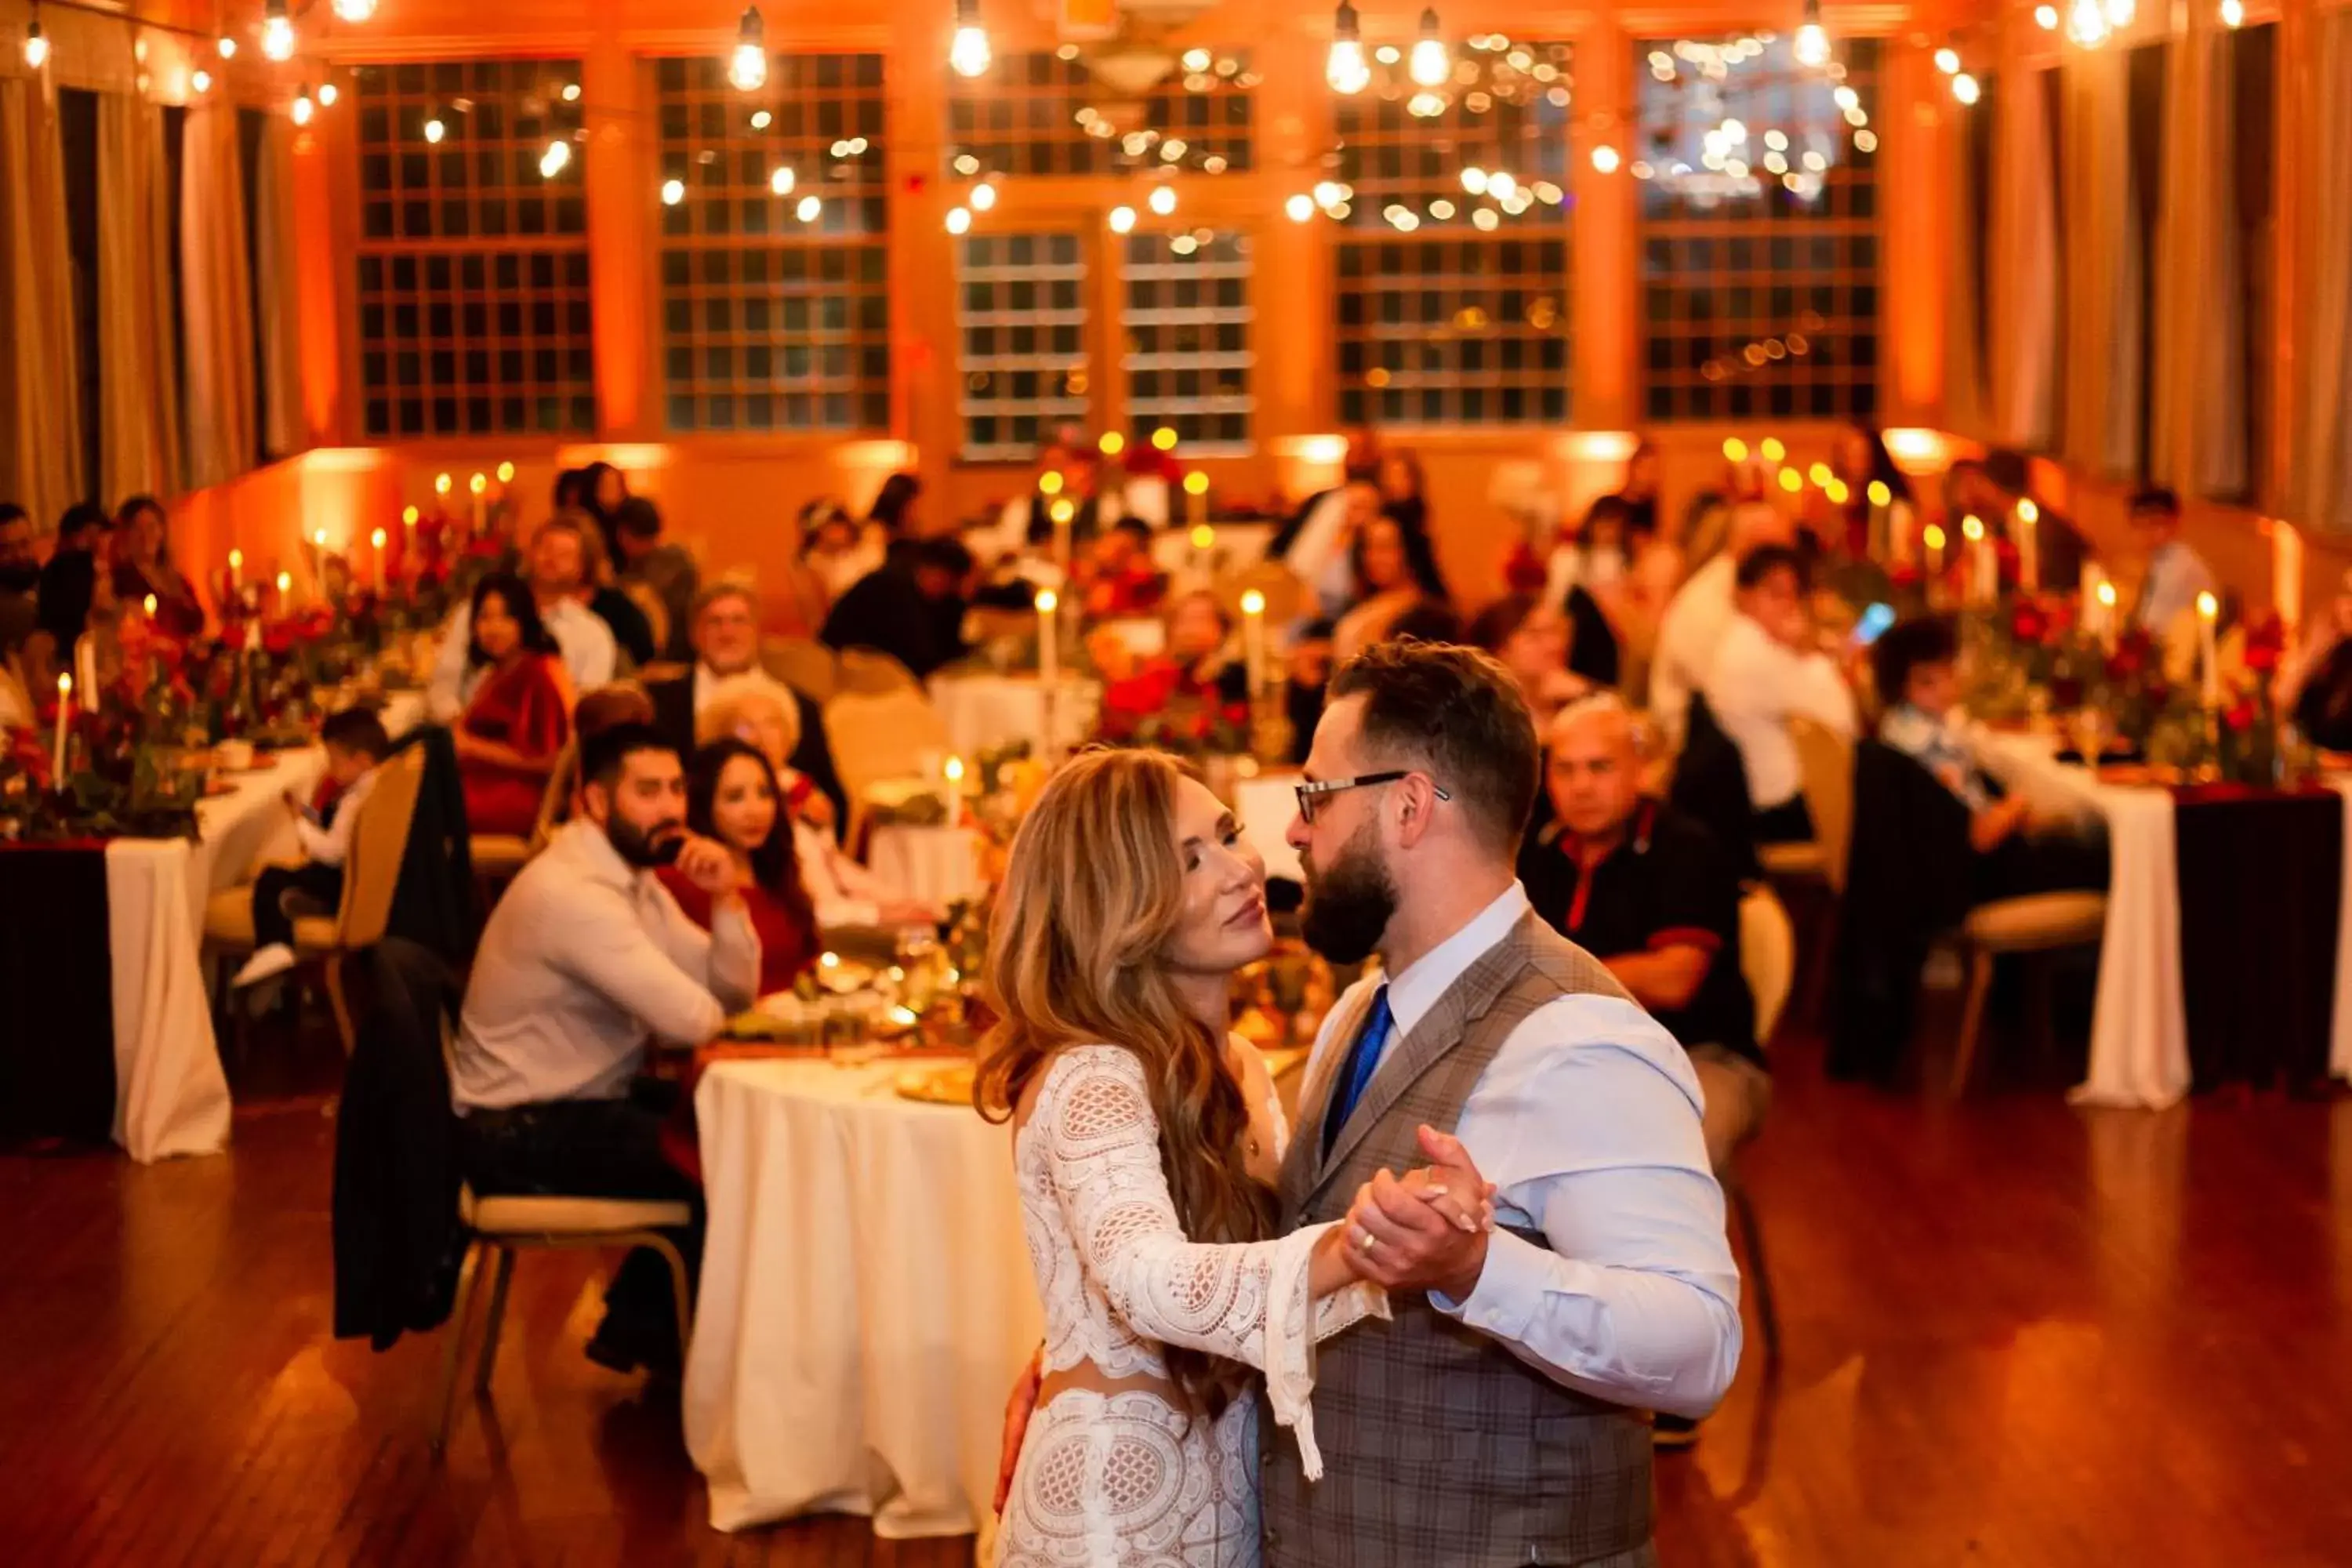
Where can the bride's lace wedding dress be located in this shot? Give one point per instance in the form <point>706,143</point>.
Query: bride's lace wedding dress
<point>1121,1475</point>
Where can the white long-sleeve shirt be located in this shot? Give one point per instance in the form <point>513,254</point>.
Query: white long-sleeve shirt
<point>584,957</point>
<point>1688,633</point>
<point>590,655</point>
<point>1758,684</point>
<point>332,845</point>
<point>1587,1121</point>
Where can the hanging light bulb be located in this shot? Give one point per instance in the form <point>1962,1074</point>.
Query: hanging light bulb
<point>747,68</point>
<point>673,192</point>
<point>809,208</point>
<point>277,32</point>
<point>227,46</point>
<point>328,93</point>
<point>1430,67</point>
<point>969,52</point>
<point>983,196</point>
<point>781,181</point>
<point>1812,45</point>
<point>354,10</point>
<point>1121,219</point>
<point>2121,13</point>
<point>958,220</point>
<point>434,129</point>
<point>1947,60</point>
<point>303,108</point>
<point>2086,24</point>
<point>1344,68</point>
<point>2233,13</point>
<point>201,81</point>
<point>2045,16</point>
<point>1965,88</point>
<point>552,162</point>
<point>1164,200</point>
<point>37,47</point>
<point>1300,207</point>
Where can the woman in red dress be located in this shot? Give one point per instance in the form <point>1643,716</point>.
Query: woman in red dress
<point>517,710</point>
<point>731,797</point>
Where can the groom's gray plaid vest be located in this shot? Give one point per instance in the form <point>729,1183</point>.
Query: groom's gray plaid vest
<point>1441,1447</point>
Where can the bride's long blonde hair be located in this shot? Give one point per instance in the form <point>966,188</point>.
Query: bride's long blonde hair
<point>1092,895</point>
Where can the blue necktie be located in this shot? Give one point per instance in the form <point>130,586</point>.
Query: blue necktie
<point>1356,1072</point>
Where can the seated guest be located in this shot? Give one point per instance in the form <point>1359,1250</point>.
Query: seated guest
<point>2314,685</point>
<point>1917,665</point>
<point>142,565</point>
<point>355,744</point>
<point>1196,667</point>
<point>1700,613</point>
<point>1528,636</point>
<point>1320,553</point>
<point>667,569</point>
<point>842,892</point>
<point>832,555</point>
<point>1391,581</point>
<point>517,710</point>
<point>910,608</point>
<point>1768,671</point>
<point>726,642</point>
<point>1116,576</point>
<point>2176,574</point>
<point>603,491</point>
<point>1640,494</point>
<point>1861,460</point>
<point>1319,513</point>
<point>1403,493</point>
<point>892,515</point>
<point>559,588</point>
<point>633,634</point>
<point>622,702</point>
<point>20,577</point>
<point>1649,892</point>
<point>70,582</point>
<point>732,799</point>
<point>1585,577</point>
<point>583,958</point>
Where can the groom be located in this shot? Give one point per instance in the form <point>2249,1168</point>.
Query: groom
<point>1497,1418</point>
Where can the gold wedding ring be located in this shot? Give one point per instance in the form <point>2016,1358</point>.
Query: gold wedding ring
<point>1368,1240</point>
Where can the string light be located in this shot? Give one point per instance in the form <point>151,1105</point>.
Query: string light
<point>1112,444</point>
<point>1604,158</point>
<point>355,11</point>
<point>1792,480</point>
<point>434,129</point>
<point>747,67</point>
<point>969,54</point>
<point>1772,449</point>
<point>277,32</point>
<point>1122,219</point>
<point>2046,18</point>
<point>762,120</point>
<point>673,192</point>
<point>553,162</point>
<point>303,108</point>
<point>227,46</point>
<point>1196,483</point>
<point>201,81</point>
<point>958,220</point>
<point>983,197</point>
<point>1344,67</point>
<point>1299,209</point>
<point>1965,88</point>
<point>1164,438</point>
<point>2233,13</point>
<point>1164,200</point>
<point>2086,24</point>
<point>781,181</point>
<point>1812,43</point>
<point>1947,60</point>
<point>1429,66</point>
<point>809,208</point>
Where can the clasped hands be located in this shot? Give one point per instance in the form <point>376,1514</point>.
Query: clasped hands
<point>1425,1230</point>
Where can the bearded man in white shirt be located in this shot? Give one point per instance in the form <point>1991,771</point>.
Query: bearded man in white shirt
<point>586,958</point>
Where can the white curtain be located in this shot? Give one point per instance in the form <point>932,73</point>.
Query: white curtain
<point>2198,432</point>
<point>215,298</point>
<point>2105,264</point>
<point>2021,294</point>
<point>139,438</point>
<point>281,363</point>
<point>2321,474</point>
<point>1965,401</point>
<point>41,465</point>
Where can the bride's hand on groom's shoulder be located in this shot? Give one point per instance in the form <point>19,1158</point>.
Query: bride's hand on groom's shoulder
<point>1427,1229</point>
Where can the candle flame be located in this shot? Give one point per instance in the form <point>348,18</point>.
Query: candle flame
<point>1879,494</point>
<point>506,473</point>
<point>1203,537</point>
<point>1063,509</point>
<point>376,539</point>
<point>441,484</point>
<point>955,770</point>
<point>319,538</point>
<point>1112,444</point>
<point>408,516</point>
<point>2028,514</point>
<point>1252,603</point>
<point>478,483</point>
<point>1772,449</point>
<point>1735,450</point>
<point>150,607</point>
<point>1934,536</point>
<point>1164,438</point>
<point>1973,528</point>
<point>285,581</point>
<point>1050,483</point>
<point>1196,483</point>
<point>2107,594</point>
<point>236,560</point>
<point>1048,602</point>
<point>65,684</point>
<point>2208,607</point>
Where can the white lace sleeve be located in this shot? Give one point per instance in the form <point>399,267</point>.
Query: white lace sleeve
<point>1247,1301</point>
<point>1362,1299</point>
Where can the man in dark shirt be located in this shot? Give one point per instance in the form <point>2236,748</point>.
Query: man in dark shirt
<point>910,608</point>
<point>1648,892</point>
<point>69,583</point>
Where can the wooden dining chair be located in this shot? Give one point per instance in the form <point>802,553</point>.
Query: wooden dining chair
<point>879,736</point>
<point>805,665</point>
<point>1767,962</point>
<point>870,672</point>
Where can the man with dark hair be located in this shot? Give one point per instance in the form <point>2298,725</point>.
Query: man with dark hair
<point>560,586</point>
<point>20,579</point>
<point>70,582</point>
<point>2176,574</point>
<point>1767,671</point>
<point>1607,1288</point>
<point>666,568</point>
<point>356,745</point>
<point>1701,612</point>
<point>584,958</point>
<point>910,608</point>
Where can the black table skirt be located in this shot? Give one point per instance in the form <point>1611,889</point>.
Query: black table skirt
<point>57,1023</point>
<point>2262,887</point>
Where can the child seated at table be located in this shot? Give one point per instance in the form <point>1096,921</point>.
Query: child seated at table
<point>356,744</point>
<point>2017,851</point>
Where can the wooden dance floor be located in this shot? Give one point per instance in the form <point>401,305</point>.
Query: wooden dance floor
<point>2014,1334</point>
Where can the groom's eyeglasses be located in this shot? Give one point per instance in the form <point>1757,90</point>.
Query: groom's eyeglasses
<point>1310,794</point>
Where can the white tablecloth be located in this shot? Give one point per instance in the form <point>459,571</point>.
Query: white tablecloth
<point>2139,1029</point>
<point>933,864</point>
<point>866,1303</point>
<point>171,1096</point>
<point>983,711</point>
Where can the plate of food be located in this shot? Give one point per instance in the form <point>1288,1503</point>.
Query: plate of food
<point>950,1084</point>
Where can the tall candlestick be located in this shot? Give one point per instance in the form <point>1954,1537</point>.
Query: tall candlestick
<point>149,606</point>
<point>1984,572</point>
<point>408,561</point>
<point>1253,638</point>
<point>479,484</point>
<point>85,661</point>
<point>1049,659</point>
<point>1204,545</point>
<point>2208,654</point>
<point>65,703</point>
<point>2029,547</point>
<point>953,773</point>
<point>236,570</point>
<point>1064,513</point>
<point>377,541</point>
<point>1196,498</point>
<point>1933,535</point>
<point>2107,628</point>
<point>1902,538</point>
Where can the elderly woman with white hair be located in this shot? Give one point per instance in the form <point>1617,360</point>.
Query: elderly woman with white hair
<point>846,893</point>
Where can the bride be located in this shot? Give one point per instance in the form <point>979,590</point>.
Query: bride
<point>1146,1142</point>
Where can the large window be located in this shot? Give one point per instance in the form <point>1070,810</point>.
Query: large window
<point>1452,254</point>
<point>1759,229</point>
<point>1047,114</point>
<point>473,266</point>
<point>775,247</point>
<point>1021,315</point>
<point>1187,359</point>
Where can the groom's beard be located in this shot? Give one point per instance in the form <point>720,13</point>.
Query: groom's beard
<point>1350,902</point>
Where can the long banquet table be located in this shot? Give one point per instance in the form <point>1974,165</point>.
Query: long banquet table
<point>866,1301</point>
<point>2139,1053</point>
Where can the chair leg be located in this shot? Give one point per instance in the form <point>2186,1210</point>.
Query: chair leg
<point>338,1001</point>
<point>1752,1237</point>
<point>454,1352</point>
<point>681,1287</point>
<point>1964,1049</point>
<point>502,1271</point>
